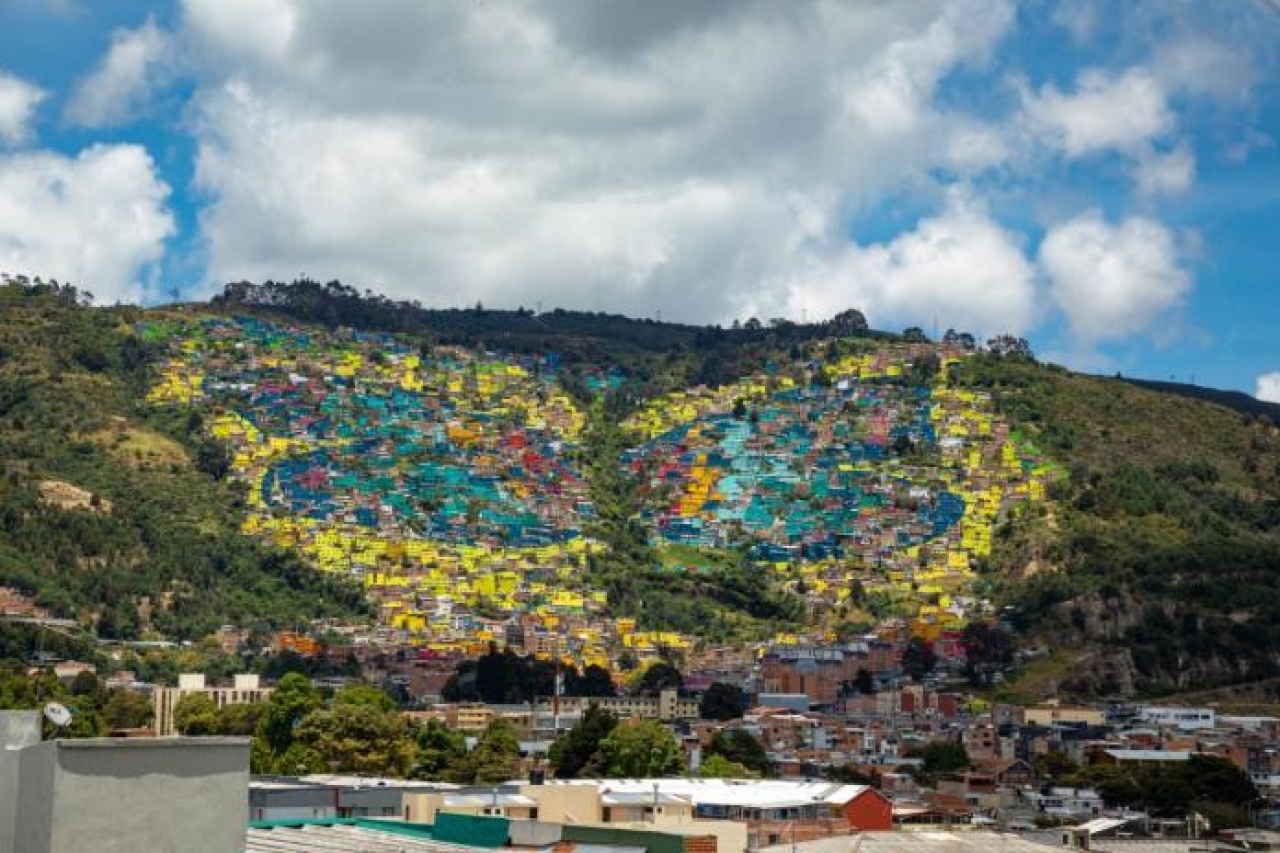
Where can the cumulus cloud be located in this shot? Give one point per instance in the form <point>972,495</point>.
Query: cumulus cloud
<point>1112,281</point>
<point>1163,173</point>
<point>123,81</point>
<point>570,152</point>
<point>959,266</point>
<point>1078,17</point>
<point>18,102</point>
<point>97,220</point>
<point>1106,111</point>
<point>1269,387</point>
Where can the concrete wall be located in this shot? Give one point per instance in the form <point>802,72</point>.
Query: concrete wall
<point>10,764</point>
<point>566,803</point>
<point>112,795</point>
<point>18,730</point>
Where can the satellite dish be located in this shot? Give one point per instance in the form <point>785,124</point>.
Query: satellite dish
<point>57,714</point>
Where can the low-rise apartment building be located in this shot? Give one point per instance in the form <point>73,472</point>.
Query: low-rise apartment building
<point>245,689</point>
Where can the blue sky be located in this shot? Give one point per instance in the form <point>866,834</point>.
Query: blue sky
<point>1103,178</point>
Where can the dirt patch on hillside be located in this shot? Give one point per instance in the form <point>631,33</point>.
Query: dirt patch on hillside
<point>64,495</point>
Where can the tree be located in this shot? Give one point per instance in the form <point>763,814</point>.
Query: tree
<point>240,720</point>
<point>195,714</point>
<point>358,738</point>
<point>126,709</point>
<point>1115,784</point>
<point>85,683</point>
<point>719,767</point>
<point>722,702</point>
<point>501,676</point>
<point>740,747</point>
<point>1008,346</point>
<point>964,340</point>
<point>292,700</point>
<point>657,677</point>
<point>1218,780</point>
<point>914,335</point>
<point>365,695</point>
<point>496,757</point>
<point>639,749</point>
<point>848,322</point>
<point>1053,765</point>
<point>918,659</point>
<point>942,757</point>
<point>438,747</point>
<point>594,681</point>
<point>578,749</point>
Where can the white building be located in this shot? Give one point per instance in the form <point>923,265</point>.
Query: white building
<point>1068,802</point>
<point>1187,719</point>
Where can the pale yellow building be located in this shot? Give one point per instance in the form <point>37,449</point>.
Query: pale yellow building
<point>1050,713</point>
<point>245,689</point>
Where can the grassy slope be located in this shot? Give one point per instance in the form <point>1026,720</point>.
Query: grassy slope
<point>1163,548</point>
<point>166,557</point>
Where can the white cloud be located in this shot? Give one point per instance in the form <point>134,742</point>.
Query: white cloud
<point>1078,17</point>
<point>246,28</point>
<point>97,220</point>
<point>1106,111</point>
<point>1113,281</point>
<point>958,267</point>
<point>109,95</point>
<point>1269,387</point>
<point>1165,173</point>
<point>570,153</point>
<point>18,102</point>
<point>1196,65</point>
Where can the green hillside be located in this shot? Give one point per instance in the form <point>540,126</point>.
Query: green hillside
<point>111,511</point>
<point>1157,570</point>
<point>170,470</point>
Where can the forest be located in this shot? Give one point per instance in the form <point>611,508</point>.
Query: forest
<point>113,512</point>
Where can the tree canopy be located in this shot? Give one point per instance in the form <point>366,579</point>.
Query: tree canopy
<point>639,749</point>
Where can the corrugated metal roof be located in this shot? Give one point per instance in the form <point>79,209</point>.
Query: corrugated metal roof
<point>922,841</point>
<point>758,793</point>
<point>338,838</point>
<point>1149,754</point>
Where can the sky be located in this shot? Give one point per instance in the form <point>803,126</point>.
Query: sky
<point>1102,178</point>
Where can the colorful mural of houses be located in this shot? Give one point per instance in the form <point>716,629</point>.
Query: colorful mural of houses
<point>447,481</point>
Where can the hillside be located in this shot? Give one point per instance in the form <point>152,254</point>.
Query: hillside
<point>1157,570</point>
<point>111,510</point>
<point>846,486</point>
<point>625,486</point>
